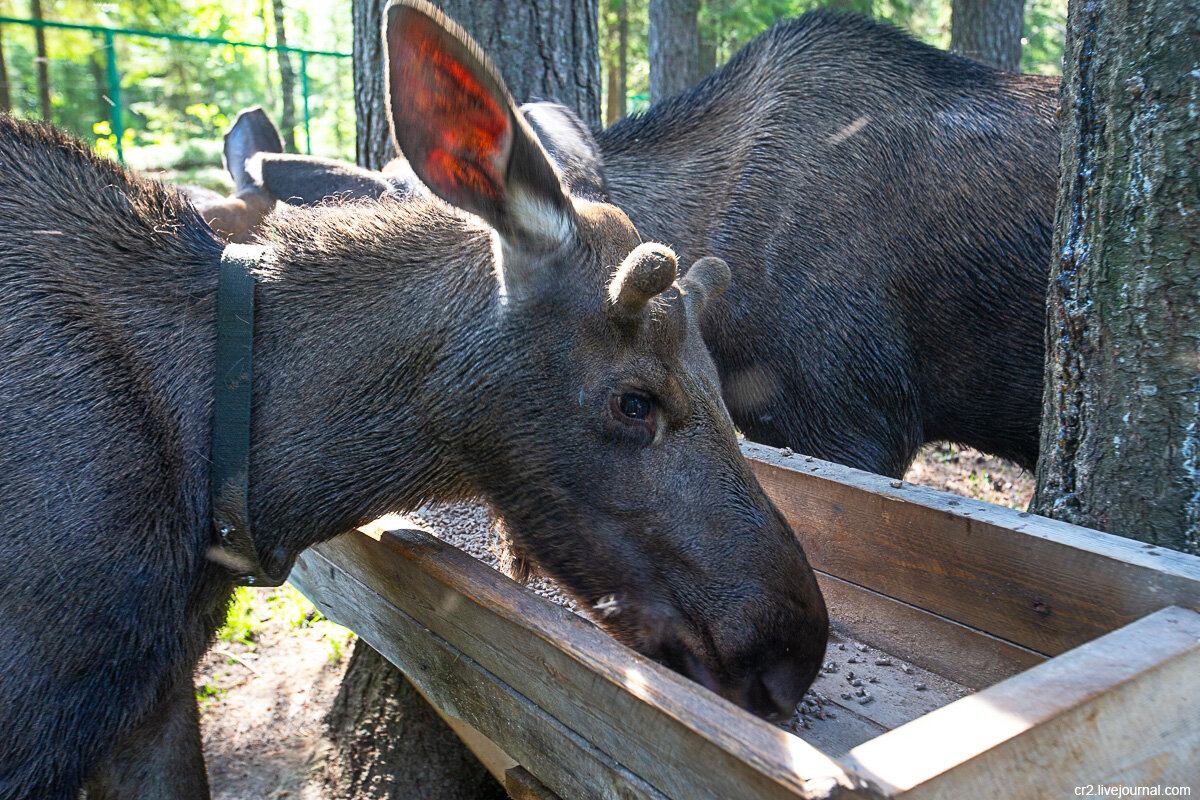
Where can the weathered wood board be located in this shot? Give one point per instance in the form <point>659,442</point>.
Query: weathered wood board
<point>1085,649</point>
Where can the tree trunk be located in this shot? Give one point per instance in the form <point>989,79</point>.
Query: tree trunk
<point>988,31</point>
<point>5,96</point>
<point>391,744</point>
<point>618,64</point>
<point>1120,444</point>
<point>43,63</point>
<point>623,54</point>
<point>100,80</point>
<point>674,46</point>
<point>545,49</point>
<point>268,99</point>
<point>374,146</point>
<point>287,81</point>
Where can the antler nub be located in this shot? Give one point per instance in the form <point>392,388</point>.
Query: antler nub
<point>707,278</point>
<point>649,270</point>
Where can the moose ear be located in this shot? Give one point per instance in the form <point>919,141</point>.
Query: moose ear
<point>455,122</point>
<point>308,180</point>
<point>251,132</point>
<point>571,146</point>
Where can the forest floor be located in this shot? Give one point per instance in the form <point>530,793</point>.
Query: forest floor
<point>265,687</point>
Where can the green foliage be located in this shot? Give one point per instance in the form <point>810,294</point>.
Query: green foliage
<point>178,97</point>
<point>250,609</point>
<point>240,621</point>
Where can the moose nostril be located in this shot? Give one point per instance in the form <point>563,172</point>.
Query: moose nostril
<point>779,688</point>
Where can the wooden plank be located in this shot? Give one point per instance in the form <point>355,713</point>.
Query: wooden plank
<point>1124,709</point>
<point>494,760</point>
<point>459,687</point>
<point>1038,583</point>
<point>520,785</point>
<point>682,740</point>
<point>952,650</point>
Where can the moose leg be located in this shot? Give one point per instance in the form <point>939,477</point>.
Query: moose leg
<point>159,759</point>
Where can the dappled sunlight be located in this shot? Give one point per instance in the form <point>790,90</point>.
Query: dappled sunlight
<point>922,749</point>
<point>850,130</point>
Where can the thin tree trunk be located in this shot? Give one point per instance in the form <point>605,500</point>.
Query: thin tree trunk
<point>706,60</point>
<point>391,744</point>
<point>988,31</point>
<point>1120,444</point>
<point>545,49</point>
<point>674,47</point>
<point>269,95</point>
<point>618,54</point>
<point>613,110</point>
<point>43,63</point>
<point>287,81</point>
<point>100,79</point>
<point>623,54</point>
<point>5,96</point>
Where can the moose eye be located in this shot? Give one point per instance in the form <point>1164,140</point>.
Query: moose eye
<point>635,407</point>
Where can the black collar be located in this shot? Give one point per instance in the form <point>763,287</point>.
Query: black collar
<point>233,546</point>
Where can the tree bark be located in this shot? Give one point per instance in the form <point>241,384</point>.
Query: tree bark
<point>674,47</point>
<point>100,79</point>
<point>43,63</point>
<point>617,66</point>
<point>5,96</point>
<point>623,54</point>
<point>391,744</point>
<point>544,49</point>
<point>373,147</point>
<point>287,81</point>
<point>1120,444</point>
<point>989,31</point>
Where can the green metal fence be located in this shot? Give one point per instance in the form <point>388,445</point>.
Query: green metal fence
<point>113,73</point>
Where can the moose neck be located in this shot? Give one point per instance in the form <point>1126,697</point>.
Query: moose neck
<point>364,348</point>
<point>669,167</point>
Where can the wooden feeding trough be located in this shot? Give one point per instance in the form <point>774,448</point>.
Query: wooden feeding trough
<point>1072,657</point>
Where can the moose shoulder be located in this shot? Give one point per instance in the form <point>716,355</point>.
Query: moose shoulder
<point>403,352</point>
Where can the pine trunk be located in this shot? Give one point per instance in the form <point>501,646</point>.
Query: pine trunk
<point>287,81</point>
<point>5,97</point>
<point>989,31</point>
<point>1120,444</point>
<point>617,65</point>
<point>43,62</point>
<point>545,49</point>
<point>674,47</point>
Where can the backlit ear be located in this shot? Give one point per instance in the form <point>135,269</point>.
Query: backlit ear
<point>252,132</point>
<point>455,122</point>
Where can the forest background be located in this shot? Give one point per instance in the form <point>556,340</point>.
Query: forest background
<point>178,97</point>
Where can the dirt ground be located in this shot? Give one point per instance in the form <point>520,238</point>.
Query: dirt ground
<point>265,688</point>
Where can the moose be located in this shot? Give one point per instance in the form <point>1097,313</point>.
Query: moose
<point>502,340</point>
<point>887,210</point>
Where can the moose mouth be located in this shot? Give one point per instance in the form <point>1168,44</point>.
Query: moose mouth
<point>770,689</point>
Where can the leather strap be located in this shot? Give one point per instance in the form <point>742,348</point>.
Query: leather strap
<point>233,547</point>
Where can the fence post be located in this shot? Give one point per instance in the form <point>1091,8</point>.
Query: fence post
<point>304,91</point>
<point>114,94</point>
